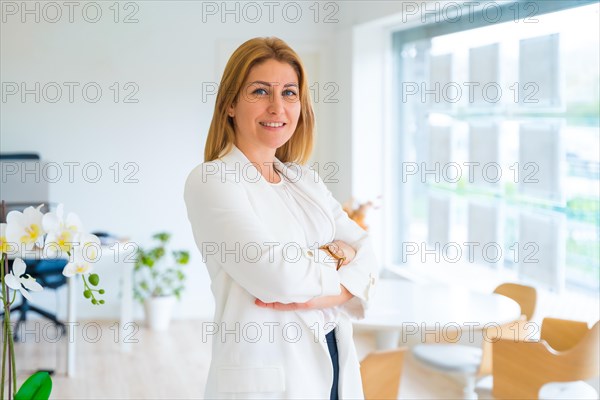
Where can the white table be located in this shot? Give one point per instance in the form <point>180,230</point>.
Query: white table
<point>408,308</point>
<point>122,255</point>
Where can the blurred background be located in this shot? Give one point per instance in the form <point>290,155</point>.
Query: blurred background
<point>472,128</point>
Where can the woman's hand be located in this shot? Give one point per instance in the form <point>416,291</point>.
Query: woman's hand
<point>315,303</point>
<point>343,249</point>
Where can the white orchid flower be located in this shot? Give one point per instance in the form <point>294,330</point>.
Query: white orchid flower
<point>18,280</point>
<point>85,253</point>
<point>25,229</point>
<point>61,231</point>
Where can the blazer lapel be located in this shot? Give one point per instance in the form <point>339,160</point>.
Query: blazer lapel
<point>268,205</point>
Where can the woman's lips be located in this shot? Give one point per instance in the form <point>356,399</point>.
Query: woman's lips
<point>272,124</point>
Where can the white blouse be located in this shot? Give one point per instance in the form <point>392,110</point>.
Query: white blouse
<point>309,216</point>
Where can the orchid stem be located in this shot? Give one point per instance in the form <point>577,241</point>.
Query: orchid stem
<point>4,343</point>
<point>4,330</point>
<point>12,376</point>
<point>11,349</point>
<point>10,371</point>
<point>8,338</point>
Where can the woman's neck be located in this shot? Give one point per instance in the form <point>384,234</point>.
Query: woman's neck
<point>262,160</point>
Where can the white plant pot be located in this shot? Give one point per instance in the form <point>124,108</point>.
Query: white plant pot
<point>158,312</point>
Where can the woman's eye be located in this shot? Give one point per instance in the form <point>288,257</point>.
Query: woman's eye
<point>260,92</point>
<point>290,95</point>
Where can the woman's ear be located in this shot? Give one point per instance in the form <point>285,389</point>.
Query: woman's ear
<point>231,111</point>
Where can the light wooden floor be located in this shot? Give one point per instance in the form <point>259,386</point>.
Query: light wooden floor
<point>169,365</point>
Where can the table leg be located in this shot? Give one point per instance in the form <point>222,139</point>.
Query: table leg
<point>71,326</point>
<point>126,306</point>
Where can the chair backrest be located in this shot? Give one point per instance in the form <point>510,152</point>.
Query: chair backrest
<point>562,334</point>
<point>381,372</point>
<point>19,156</point>
<point>23,181</point>
<point>520,368</point>
<point>526,296</point>
<point>49,273</point>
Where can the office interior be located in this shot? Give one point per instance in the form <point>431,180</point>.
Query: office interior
<point>468,131</point>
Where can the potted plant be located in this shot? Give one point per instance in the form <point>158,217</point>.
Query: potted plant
<point>159,280</point>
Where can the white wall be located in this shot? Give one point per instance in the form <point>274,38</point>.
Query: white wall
<point>169,54</point>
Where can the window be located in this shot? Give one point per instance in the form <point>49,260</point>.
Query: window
<point>499,140</point>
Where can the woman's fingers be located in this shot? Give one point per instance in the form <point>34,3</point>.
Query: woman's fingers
<point>283,306</point>
<point>345,250</point>
<point>315,303</point>
<point>260,303</point>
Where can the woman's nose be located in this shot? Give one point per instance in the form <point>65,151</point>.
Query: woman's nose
<point>276,105</point>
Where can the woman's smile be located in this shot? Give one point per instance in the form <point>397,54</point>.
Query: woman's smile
<point>272,125</point>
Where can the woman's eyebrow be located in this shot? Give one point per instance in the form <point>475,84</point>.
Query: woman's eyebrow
<point>269,84</point>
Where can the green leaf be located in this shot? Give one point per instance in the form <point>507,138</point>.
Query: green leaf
<point>181,257</point>
<point>148,260</point>
<point>162,236</point>
<point>38,386</point>
<point>159,252</point>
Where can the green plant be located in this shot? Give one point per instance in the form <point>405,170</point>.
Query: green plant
<point>153,276</point>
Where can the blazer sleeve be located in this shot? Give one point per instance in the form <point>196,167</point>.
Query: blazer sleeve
<point>360,275</point>
<point>228,233</point>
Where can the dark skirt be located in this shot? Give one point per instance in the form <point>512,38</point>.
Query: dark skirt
<point>333,352</point>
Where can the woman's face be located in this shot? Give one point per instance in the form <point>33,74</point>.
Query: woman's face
<point>267,110</point>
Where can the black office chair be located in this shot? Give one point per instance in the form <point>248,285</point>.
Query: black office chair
<point>48,273</point>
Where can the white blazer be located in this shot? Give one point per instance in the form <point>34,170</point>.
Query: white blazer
<point>251,250</point>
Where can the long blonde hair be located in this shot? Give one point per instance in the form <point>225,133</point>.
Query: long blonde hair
<point>221,134</point>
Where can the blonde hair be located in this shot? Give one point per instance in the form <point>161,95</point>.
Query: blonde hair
<point>221,134</point>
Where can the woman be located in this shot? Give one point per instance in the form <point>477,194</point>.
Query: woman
<point>271,234</point>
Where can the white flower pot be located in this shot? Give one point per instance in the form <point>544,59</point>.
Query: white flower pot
<point>158,312</point>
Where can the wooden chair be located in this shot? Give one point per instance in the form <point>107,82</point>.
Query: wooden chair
<point>567,352</point>
<point>526,296</point>
<point>381,372</point>
<point>474,362</point>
